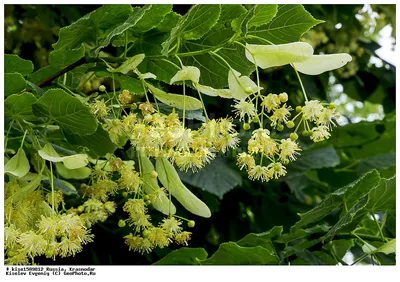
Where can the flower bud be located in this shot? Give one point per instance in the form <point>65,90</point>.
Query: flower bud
<point>121,223</point>
<point>154,174</point>
<point>146,197</point>
<point>283,97</point>
<point>102,88</point>
<point>246,126</point>
<point>293,136</point>
<point>332,106</point>
<point>298,109</point>
<point>191,223</point>
<point>148,202</point>
<point>124,194</point>
<point>280,127</point>
<point>290,124</point>
<point>81,209</point>
<point>133,106</point>
<point>255,119</point>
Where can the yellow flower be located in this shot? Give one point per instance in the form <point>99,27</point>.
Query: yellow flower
<point>280,115</point>
<point>243,109</point>
<point>289,149</point>
<point>245,161</point>
<point>258,173</point>
<point>276,170</point>
<point>312,109</point>
<point>271,102</point>
<point>182,238</point>
<point>320,133</point>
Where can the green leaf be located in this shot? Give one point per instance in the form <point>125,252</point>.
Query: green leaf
<point>62,185</point>
<point>267,56</point>
<point>260,239</point>
<point>378,162</point>
<point>71,37</point>
<point>71,162</point>
<point>18,165</point>
<point>190,115</point>
<point>77,173</point>
<point>210,180</point>
<point>383,197</point>
<point>183,256</point>
<point>43,73</point>
<point>309,257</point>
<point>61,58</point>
<point>232,254</point>
<point>13,83</point>
<point>387,248</point>
<point>229,12</point>
<point>340,247</point>
<point>263,14</point>
<point>91,26</point>
<point>350,194</point>
<point>120,28</point>
<point>67,111</point>
<point>352,215</point>
<point>98,143</point>
<point>13,63</point>
<point>284,28</point>
<point>175,100</point>
<point>241,24</point>
<point>214,72</point>
<point>152,18</point>
<point>193,25</point>
<point>132,84</point>
<point>163,69</point>
<point>19,106</point>
<point>110,16</point>
<point>317,64</point>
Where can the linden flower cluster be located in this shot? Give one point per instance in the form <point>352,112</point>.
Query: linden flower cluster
<point>161,135</point>
<point>147,236</point>
<point>316,119</point>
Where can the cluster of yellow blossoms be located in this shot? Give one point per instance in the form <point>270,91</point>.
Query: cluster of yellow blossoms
<point>317,120</point>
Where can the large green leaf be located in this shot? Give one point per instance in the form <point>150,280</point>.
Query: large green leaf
<point>339,247</point>
<point>91,26</point>
<point>119,29</point>
<point>13,63</point>
<point>98,143</point>
<point>210,180</point>
<point>193,25</point>
<point>20,106</point>
<point>231,253</point>
<point>183,256</point>
<point>263,14</point>
<point>383,197</point>
<point>290,22</point>
<point>214,72</point>
<point>67,111</point>
<point>70,37</point>
<point>13,83</point>
<point>65,57</point>
<point>229,12</point>
<point>152,18</point>
<point>260,239</point>
<point>348,195</point>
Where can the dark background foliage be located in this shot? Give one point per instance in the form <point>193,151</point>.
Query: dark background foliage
<point>240,206</point>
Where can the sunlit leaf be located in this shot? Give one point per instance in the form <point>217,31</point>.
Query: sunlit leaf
<point>317,64</point>
<point>18,165</point>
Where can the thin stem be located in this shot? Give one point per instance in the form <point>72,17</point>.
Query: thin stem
<point>8,132</point>
<point>23,139</point>
<point>301,83</point>
<point>204,108</point>
<point>52,188</point>
<point>379,228</point>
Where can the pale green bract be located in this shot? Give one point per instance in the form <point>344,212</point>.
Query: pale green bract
<point>267,56</point>
<point>317,64</point>
<point>128,65</point>
<point>150,185</point>
<point>18,165</point>
<point>187,73</point>
<point>71,162</point>
<point>171,180</point>
<point>77,173</point>
<point>207,90</point>
<point>241,86</point>
<point>387,248</point>
<point>175,100</point>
